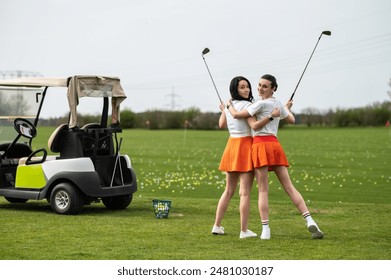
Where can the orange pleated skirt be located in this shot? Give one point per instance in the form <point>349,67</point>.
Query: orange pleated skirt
<point>237,155</point>
<point>267,151</point>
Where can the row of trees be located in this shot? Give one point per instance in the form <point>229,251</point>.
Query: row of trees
<point>374,115</point>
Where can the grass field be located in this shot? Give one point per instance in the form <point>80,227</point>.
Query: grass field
<point>343,174</point>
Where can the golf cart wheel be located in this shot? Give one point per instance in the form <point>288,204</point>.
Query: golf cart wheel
<point>66,199</point>
<point>118,202</point>
<point>15,200</point>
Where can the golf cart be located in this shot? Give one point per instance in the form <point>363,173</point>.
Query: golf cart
<point>83,164</point>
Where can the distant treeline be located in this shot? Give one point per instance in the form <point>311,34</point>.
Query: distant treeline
<point>374,115</point>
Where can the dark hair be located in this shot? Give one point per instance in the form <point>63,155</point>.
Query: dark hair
<point>233,89</point>
<point>272,79</point>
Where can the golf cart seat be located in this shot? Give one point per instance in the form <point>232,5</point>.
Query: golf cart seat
<point>66,141</point>
<point>17,151</point>
<point>54,140</point>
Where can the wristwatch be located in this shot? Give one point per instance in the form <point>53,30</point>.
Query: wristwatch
<point>271,117</point>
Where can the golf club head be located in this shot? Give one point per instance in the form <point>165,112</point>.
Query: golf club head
<point>205,51</point>
<point>328,33</point>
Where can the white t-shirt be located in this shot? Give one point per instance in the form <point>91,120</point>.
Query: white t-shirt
<point>262,108</point>
<point>238,127</point>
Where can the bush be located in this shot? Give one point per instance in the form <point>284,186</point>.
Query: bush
<point>373,115</point>
<point>128,119</point>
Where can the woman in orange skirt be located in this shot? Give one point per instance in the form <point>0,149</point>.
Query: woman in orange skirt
<point>268,155</point>
<point>236,160</point>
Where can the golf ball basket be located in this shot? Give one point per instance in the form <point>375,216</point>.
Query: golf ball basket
<point>161,208</point>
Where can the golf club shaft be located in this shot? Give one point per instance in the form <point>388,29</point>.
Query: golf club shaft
<point>117,159</point>
<point>210,75</point>
<point>306,65</point>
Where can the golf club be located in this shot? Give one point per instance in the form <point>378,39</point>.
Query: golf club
<point>117,160</point>
<point>205,51</point>
<point>328,33</point>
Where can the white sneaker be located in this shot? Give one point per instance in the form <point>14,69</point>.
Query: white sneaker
<point>265,234</point>
<point>217,230</point>
<point>314,229</point>
<point>246,234</point>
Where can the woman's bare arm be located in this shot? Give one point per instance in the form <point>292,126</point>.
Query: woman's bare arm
<point>256,125</point>
<point>290,118</point>
<point>223,117</point>
<point>237,114</point>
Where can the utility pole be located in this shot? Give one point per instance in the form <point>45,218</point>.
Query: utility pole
<point>173,104</point>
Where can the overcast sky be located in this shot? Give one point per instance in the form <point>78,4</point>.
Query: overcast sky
<point>155,47</point>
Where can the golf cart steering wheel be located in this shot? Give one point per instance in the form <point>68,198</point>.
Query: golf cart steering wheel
<point>25,128</point>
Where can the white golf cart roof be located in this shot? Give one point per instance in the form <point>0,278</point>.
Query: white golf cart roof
<point>78,86</point>
<point>34,82</point>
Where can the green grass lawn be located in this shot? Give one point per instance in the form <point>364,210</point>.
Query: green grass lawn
<point>343,174</point>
